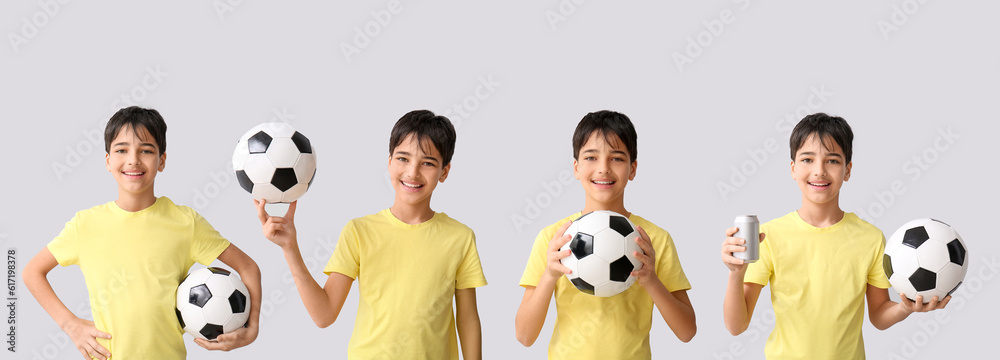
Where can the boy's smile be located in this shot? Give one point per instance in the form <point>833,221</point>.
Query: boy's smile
<point>604,169</point>
<point>820,171</point>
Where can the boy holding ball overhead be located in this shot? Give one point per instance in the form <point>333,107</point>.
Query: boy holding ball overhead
<point>822,263</point>
<point>617,327</point>
<point>134,252</point>
<point>410,261</point>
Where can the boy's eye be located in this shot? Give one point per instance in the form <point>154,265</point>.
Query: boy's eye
<point>807,160</point>
<point>120,151</point>
<point>402,159</point>
<point>147,151</point>
<point>590,158</point>
<point>618,159</point>
<point>833,161</point>
<point>428,163</point>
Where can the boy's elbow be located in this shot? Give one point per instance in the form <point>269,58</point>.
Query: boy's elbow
<point>685,338</point>
<point>736,330</point>
<point>525,340</point>
<point>324,323</point>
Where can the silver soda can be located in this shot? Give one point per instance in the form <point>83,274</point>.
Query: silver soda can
<point>749,230</point>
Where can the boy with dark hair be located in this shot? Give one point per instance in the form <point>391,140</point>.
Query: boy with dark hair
<point>821,262</point>
<point>410,261</point>
<point>134,252</point>
<point>617,327</point>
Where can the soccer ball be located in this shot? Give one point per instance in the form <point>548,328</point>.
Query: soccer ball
<point>211,302</point>
<point>602,245</point>
<point>274,163</point>
<point>925,257</point>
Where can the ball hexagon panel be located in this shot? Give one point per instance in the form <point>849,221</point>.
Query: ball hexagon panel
<point>283,153</point>
<point>594,270</point>
<point>305,167</point>
<point>951,274</point>
<point>240,155</point>
<point>609,245</point>
<point>932,255</point>
<point>266,192</point>
<point>595,222</point>
<point>259,168</point>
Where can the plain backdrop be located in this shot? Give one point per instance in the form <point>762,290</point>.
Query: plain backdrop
<point>713,88</point>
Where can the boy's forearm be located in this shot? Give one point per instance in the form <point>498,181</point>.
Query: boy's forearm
<point>314,298</point>
<point>887,315</point>
<point>470,331</point>
<point>678,315</point>
<point>531,314</point>
<point>734,306</point>
<point>34,277</point>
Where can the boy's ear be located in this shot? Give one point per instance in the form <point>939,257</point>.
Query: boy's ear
<point>847,176</point>
<point>792,167</point>
<point>444,172</point>
<point>576,174</point>
<point>107,161</point>
<point>163,162</point>
<point>631,172</point>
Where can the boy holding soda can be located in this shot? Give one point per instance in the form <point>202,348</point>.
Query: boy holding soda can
<point>822,263</point>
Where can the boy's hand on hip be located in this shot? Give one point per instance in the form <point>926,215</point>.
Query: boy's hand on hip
<point>553,266</point>
<point>647,257</point>
<point>280,230</point>
<point>236,339</point>
<point>84,335</point>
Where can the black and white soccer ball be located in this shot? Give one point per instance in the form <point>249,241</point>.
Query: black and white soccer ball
<point>211,302</point>
<point>274,163</point>
<point>602,260</point>
<point>925,257</point>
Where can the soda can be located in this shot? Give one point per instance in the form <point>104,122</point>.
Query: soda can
<point>749,230</point>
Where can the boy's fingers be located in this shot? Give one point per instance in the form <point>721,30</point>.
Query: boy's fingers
<point>100,334</point>
<point>261,213</point>
<point>731,231</point>
<point>290,214</point>
<point>944,302</point>
<point>558,243</point>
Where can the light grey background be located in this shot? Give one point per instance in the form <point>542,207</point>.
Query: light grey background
<point>224,66</point>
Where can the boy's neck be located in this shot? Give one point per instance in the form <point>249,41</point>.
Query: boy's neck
<point>821,215</point>
<point>412,214</point>
<point>617,206</point>
<point>135,202</point>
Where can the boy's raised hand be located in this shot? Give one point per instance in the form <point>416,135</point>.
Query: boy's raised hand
<point>648,259</point>
<point>84,335</point>
<point>731,245</point>
<point>280,230</point>
<point>552,256</point>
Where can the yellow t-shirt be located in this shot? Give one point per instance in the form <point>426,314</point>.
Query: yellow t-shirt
<point>407,275</point>
<point>818,277</point>
<point>132,263</point>
<point>617,327</point>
